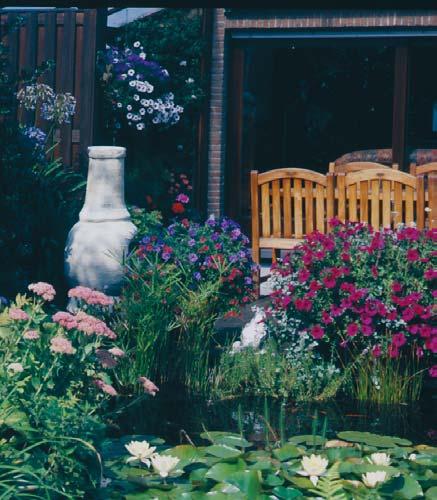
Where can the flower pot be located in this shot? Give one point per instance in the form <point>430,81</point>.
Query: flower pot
<point>97,243</point>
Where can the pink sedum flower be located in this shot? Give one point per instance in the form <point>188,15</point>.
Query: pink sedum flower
<point>61,345</point>
<point>92,325</point>
<point>105,358</point>
<point>117,352</point>
<point>65,319</point>
<point>90,296</point>
<point>44,290</point>
<point>31,335</point>
<point>106,388</point>
<point>15,367</point>
<point>148,385</point>
<point>18,314</point>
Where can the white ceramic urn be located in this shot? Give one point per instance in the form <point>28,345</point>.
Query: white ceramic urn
<point>97,243</point>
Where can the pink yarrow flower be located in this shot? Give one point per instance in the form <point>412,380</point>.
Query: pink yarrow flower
<point>18,314</point>
<point>44,290</point>
<point>61,345</point>
<point>91,297</point>
<point>148,385</point>
<point>31,335</point>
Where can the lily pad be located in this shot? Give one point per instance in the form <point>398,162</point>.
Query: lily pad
<point>308,439</point>
<point>286,493</point>
<point>247,481</point>
<point>431,494</point>
<point>373,439</point>
<point>286,452</point>
<point>220,471</point>
<point>273,480</point>
<point>222,451</point>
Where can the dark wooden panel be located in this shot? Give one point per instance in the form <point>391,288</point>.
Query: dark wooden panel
<point>235,136</point>
<point>400,105</point>
<point>66,83</point>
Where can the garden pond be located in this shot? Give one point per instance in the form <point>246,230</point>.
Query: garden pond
<point>178,418</point>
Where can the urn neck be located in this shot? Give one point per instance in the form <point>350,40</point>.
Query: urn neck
<point>104,199</point>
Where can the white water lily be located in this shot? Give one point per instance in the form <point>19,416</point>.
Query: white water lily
<point>163,464</point>
<point>372,479</point>
<point>141,451</point>
<point>314,467</point>
<point>412,457</point>
<point>380,459</point>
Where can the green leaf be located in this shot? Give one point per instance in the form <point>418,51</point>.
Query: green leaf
<point>411,489</point>
<point>186,453</point>
<point>336,454</point>
<point>431,494</point>
<point>232,440</point>
<point>248,481</point>
<point>219,472</point>
<point>222,451</point>
<point>308,439</point>
<point>286,493</point>
<point>286,452</point>
<point>213,436</point>
<point>273,480</point>
<point>373,439</point>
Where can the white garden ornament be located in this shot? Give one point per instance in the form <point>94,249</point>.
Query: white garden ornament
<point>97,243</point>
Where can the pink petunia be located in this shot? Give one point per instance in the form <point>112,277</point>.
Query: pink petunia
<point>412,255</point>
<point>399,339</point>
<point>396,287</point>
<point>317,332</point>
<point>352,329</point>
<point>376,351</point>
<point>366,330</point>
<point>433,371</point>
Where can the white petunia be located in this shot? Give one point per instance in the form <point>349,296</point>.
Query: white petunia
<point>142,111</point>
<point>189,80</point>
<point>136,97</point>
<point>129,116</point>
<point>137,44</point>
<point>140,126</point>
<point>183,63</point>
<point>142,55</point>
<point>143,102</point>
<point>131,72</point>
<point>132,83</point>
<point>129,107</point>
<point>119,105</point>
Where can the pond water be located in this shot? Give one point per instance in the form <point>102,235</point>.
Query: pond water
<point>176,417</point>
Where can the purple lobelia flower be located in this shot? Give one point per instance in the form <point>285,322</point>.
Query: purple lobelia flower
<point>192,257</point>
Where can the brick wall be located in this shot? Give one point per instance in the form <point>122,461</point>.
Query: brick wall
<point>299,20</point>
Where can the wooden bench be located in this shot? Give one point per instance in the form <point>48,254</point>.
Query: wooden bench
<point>426,176</point>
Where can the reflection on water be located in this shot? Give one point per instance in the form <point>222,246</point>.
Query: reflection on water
<point>169,417</point>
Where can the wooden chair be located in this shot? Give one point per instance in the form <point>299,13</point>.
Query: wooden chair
<point>356,166</point>
<point>426,176</point>
<point>287,204</point>
<point>382,197</point>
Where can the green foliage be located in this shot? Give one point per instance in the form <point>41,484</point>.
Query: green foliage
<point>268,372</point>
<point>282,472</point>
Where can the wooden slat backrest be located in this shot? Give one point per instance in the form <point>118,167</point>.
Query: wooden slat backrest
<point>358,166</point>
<point>287,203</point>
<point>391,194</point>
<point>426,176</point>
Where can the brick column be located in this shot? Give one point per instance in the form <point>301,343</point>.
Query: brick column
<point>217,128</point>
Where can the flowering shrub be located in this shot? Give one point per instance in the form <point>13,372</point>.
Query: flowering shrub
<point>55,107</point>
<point>139,88</point>
<point>358,291</point>
<point>214,250</point>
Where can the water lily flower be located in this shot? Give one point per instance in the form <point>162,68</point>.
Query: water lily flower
<point>413,457</point>
<point>15,367</point>
<point>380,459</point>
<point>372,479</point>
<point>141,451</point>
<point>163,464</point>
<point>314,467</point>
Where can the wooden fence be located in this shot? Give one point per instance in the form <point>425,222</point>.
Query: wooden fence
<point>71,38</point>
